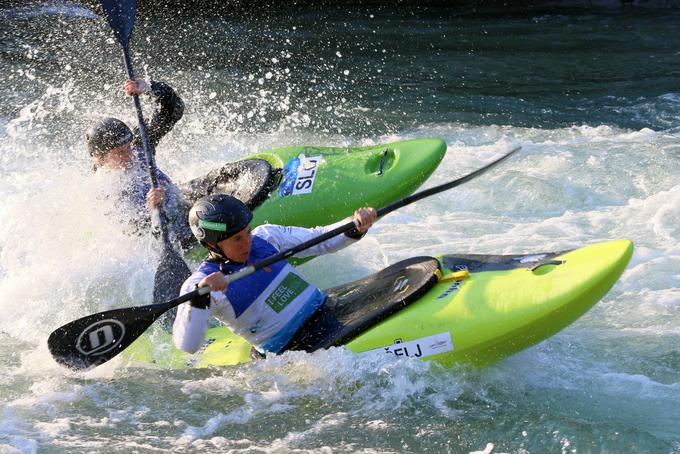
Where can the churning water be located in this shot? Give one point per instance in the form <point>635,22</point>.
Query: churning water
<point>592,96</point>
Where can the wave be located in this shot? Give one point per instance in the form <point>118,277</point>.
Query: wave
<point>62,9</point>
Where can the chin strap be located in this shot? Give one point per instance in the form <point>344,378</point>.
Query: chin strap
<point>216,255</point>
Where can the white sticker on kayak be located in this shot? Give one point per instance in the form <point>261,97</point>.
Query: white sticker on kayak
<point>299,175</point>
<point>419,348</point>
<point>530,258</point>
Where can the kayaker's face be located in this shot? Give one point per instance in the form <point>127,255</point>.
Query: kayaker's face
<point>118,158</point>
<point>237,247</point>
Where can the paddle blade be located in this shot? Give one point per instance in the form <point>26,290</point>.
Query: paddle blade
<point>95,339</point>
<point>121,17</point>
<point>171,273</point>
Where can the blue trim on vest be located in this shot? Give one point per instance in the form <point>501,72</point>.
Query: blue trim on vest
<point>278,341</point>
<point>244,292</point>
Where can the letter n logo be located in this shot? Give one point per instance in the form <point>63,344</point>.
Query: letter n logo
<point>100,337</point>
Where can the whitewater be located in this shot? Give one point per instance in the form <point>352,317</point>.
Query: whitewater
<point>590,95</point>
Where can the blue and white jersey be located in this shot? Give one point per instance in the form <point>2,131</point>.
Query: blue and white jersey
<point>267,307</point>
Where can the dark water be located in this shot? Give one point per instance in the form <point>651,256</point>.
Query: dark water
<point>406,66</point>
<point>592,95</point>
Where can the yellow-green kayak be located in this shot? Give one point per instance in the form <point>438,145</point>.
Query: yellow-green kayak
<point>310,186</point>
<point>454,308</point>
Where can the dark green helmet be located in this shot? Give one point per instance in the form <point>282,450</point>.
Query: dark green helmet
<point>106,135</point>
<point>217,217</point>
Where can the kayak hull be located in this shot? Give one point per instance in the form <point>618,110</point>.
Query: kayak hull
<point>475,316</point>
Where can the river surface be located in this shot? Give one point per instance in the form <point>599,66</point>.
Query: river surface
<point>592,96</point>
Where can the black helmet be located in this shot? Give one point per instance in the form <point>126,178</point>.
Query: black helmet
<point>107,134</point>
<point>217,217</point>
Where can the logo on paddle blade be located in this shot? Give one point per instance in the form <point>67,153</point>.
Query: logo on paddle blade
<point>100,337</point>
<point>400,284</point>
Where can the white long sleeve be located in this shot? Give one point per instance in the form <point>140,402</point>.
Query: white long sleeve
<point>189,328</point>
<point>284,237</point>
<point>191,323</point>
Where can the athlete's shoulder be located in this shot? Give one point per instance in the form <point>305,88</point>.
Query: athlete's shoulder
<point>207,267</point>
<point>268,231</point>
<point>267,237</point>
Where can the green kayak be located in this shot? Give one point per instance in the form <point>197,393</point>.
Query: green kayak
<point>454,308</point>
<point>311,186</point>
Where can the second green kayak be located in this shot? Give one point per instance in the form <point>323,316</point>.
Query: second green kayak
<point>311,186</point>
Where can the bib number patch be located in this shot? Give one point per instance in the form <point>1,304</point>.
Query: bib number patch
<point>299,176</point>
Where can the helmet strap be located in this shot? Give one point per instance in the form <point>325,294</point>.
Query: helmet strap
<point>216,253</point>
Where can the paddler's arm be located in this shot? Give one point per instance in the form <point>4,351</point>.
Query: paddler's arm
<point>284,237</point>
<point>191,321</point>
<point>168,110</point>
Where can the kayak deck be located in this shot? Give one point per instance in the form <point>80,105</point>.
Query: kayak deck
<point>490,315</point>
<point>322,185</point>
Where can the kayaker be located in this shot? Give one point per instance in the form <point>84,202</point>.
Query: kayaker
<point>114,147</point>
<point>267,307</point>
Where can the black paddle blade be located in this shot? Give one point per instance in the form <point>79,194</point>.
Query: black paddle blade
<point>95,339</point>
<point>121,17</point>
<point>171,273</point>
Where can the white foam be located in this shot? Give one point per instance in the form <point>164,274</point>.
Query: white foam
<point>58,257</point>
<point>567,187</point>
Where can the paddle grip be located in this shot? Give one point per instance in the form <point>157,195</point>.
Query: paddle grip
<point>150,158</point>
<point>243,272</point>
<point>160,308</point>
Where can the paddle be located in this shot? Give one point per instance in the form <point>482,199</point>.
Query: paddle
<point>172,271</point>
<point>95,339</point>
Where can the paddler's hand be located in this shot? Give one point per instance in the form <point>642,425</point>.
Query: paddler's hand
<point>136,87</point>
<point>216,281</point>
<point>155,197</point>
<point>363,220</point>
